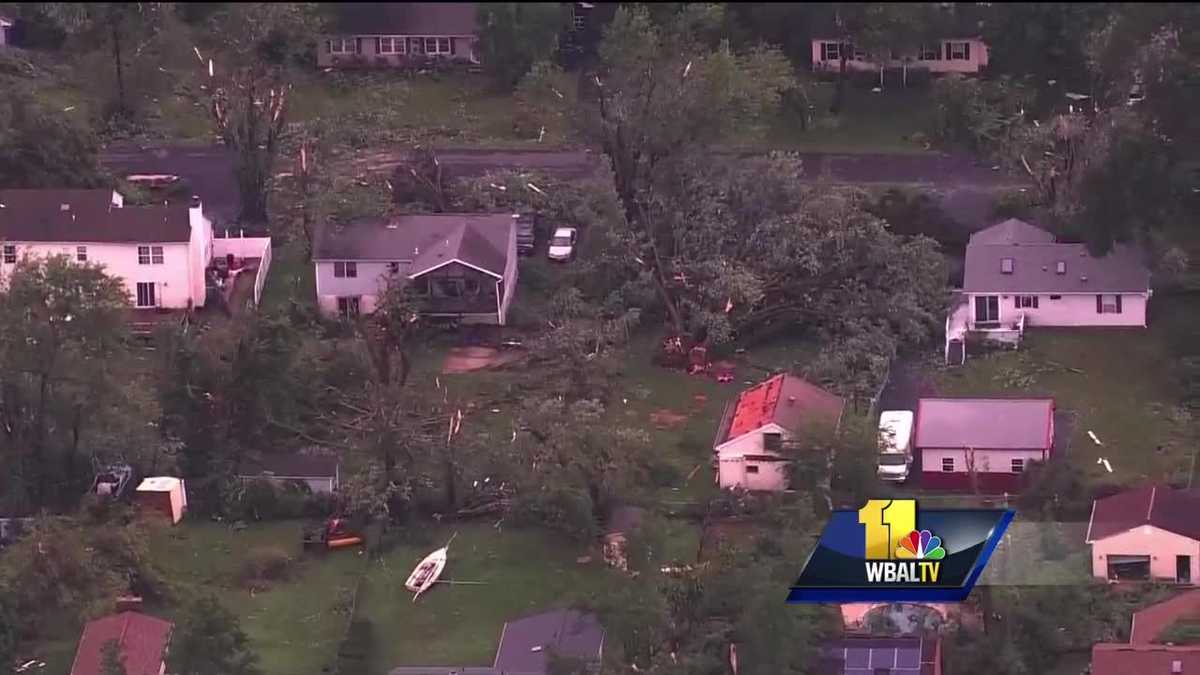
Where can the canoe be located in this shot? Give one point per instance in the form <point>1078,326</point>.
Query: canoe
<point>426,573</point>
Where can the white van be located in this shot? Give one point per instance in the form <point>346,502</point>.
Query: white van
<point>895,445</point>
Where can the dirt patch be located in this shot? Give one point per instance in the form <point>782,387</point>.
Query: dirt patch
<point>468,359</point>
<point>664,418</point>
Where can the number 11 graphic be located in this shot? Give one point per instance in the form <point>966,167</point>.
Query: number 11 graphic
<point>886,521</point>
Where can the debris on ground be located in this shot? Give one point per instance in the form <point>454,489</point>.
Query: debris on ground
<point>664,418</point>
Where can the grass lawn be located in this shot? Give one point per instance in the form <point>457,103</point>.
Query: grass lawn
<point>869,122</point>
<point>291,277</point>
<point>523,572</point>
<point>1117,383</point>
<point>295,626</point>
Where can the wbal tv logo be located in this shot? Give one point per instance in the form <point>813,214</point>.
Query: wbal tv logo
<point>888,551</point>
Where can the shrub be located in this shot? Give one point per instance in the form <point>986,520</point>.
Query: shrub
<point>1013,204</point>
<point>562,509</point>
<point>264,564</point>
<point>665,474</point>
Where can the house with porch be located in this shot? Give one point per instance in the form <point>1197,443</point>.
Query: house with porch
<point>391,34</point>
<point>983,444</point>
<point>1016,275</point>
<point>967,55</point>
<point>763,428</point>
<point>463,265</point>
<point>1150,533</point>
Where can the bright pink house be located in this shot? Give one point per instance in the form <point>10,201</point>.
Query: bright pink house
<point>982,443</point>
<point>1148,533</point>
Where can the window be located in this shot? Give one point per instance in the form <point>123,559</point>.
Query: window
<point>751,468</point>
<point>958,51</point>
<point>925,53</point>
<point>471,286</point>
<point>1006,266</point>
<point>341,46</point>
<point>437,45</point>
<point>393,268</point>
<point>1056,297</point>
<point>10,254</point>
<point>947,464</point>
<point>80,254</point>
<point>150,255</point>
<point>348,307</point>
<point>145,294</point>
<point>1060,267</point>
<point>1018,465</point>
<point>416,46</point>
<point>578,21</point>
<point>987,309</point>
<point>772,441</point>
<point>829,51</point>
<point>420,286</point>
<point>447,288</point>
<point>1108,304</point>
<point>390,45</point>
<point>1025,301</point>
<point>345,270</point>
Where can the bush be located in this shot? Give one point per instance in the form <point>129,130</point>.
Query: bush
<point>265,564</point>
<point>562,509</point>
<point>864,79</point>
<point>665,474</point>
<point>1013,204</point>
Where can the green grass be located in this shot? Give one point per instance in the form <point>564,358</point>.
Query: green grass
<point>869,122</point>
<point>295,626</point>
<point>291,277</point>
<point>1118,383</point>
<point>522,572</point>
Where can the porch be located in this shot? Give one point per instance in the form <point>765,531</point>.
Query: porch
<point>966,325</point>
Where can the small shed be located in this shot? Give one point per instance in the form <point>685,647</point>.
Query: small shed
<point>317,468</point>
<point>164,494</point>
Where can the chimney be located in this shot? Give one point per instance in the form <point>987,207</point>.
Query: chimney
<point>197,222</point>
<point>196,204</point>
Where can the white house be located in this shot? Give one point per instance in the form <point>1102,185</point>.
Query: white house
<point>161,252</point>
<point>6,26</point>
<point>463,264</point>
<point>319,470</point>
<point>951,55</point>
<point>1151,533</point>
<point>761,426</point>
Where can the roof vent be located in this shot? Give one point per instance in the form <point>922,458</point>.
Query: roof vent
<point>416,250</point>
<point>392,226</point>
<point>64,207</point>
<point>1006,265</point>
<point>1061,267</point>
<point>791,400</point>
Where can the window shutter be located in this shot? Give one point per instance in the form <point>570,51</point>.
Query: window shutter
<point>947,44</point>
<point>378,45</point>
<point>328,46</point>
<point>1118,303</point>
<point>357,45</point>
<point>1017,302</point>
<point>967,50</point>
<point>1035,302</point>
<point>1099,303</point>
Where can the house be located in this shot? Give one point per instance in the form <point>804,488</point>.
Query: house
<point>872,655</point>
<point>319,471</point>
<point>1144,653</point>
<point>6,30</point>
<point>164,495</point>
<point>142,640</point>
<point>1152,532</point>
<point>950,55</point>
<point>165,254</point>
<point>764,423</point>
<point>982,443</point>
<point>392,34</point>
<point>526,643</point>
<point>464,265</point>
<point>1017,275</point>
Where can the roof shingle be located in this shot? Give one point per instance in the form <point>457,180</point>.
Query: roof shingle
<point>1035,269</point>
<point>784,399</point>
<point>407,18</point>
<point>566,632</point>
<point>87,216</point>
<point>425,240</point>
<point>142,638</point>
<point>985,423</point>
<point>1158,505</point>
<point>1123,659</point>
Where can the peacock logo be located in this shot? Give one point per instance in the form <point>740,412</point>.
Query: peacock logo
<point>920,545</point>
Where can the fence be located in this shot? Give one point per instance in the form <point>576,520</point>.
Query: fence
<point>247,247</point>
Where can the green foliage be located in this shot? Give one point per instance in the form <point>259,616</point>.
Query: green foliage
<point>979,115</point>
<point>208,640</point>
<point>1185,631</point>
<point>42,148</point>
<point>541,100</point>
<point>916,212</point>
<point>111,660</point>
<point>566,510</point>
<point>355,650</point>
<point>515,35</point>
<point>264,565</point>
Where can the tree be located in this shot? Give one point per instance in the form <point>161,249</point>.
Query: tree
<point>112,662</point>
<point>878,29</point>
<point>62,342</point>
<point>209,641</point>
<point>515,35</point>
<point>663,96</point>
<point>41,148</point>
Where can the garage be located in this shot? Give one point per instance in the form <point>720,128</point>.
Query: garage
<point>1128,567</point>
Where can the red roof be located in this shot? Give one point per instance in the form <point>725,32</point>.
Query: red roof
<point>1123,659</point>
<point>143,640</point>
<point>1159,505</point>
<point>1149,623</point>
<point>785,400</point>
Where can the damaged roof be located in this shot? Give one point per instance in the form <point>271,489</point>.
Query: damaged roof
<point>784,399</point>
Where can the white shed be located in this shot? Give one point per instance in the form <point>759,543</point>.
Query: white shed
<point>165,494</point>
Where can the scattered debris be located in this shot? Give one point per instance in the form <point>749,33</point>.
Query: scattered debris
<point>664,418</point>
<point>1093,437</point>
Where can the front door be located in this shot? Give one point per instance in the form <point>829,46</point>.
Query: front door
<point>987,309</point>
<point>1183,569</point>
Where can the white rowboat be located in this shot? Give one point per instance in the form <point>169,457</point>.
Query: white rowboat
<point>426,573</point>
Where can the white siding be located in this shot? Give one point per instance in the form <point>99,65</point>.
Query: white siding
<point>1160,545</point>
<point>986,461</point>
<point>732,465</point>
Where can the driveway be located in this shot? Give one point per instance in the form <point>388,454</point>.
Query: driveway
<point>907,383</point>
<point>208,171</point>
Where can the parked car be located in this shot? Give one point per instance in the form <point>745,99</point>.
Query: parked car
<point>526,234</point>
<point>562,244</point>
<point>895,445</point>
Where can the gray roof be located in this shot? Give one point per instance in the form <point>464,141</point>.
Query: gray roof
<point>1035,269</point>
<point>87,216</point>
<point>407,18</point>
<point>985,423</point>
<point>566,632</point>
<point>425,240</point>
<point>1012,231</point>
<point>292,465</point>
<point>445,670</point>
